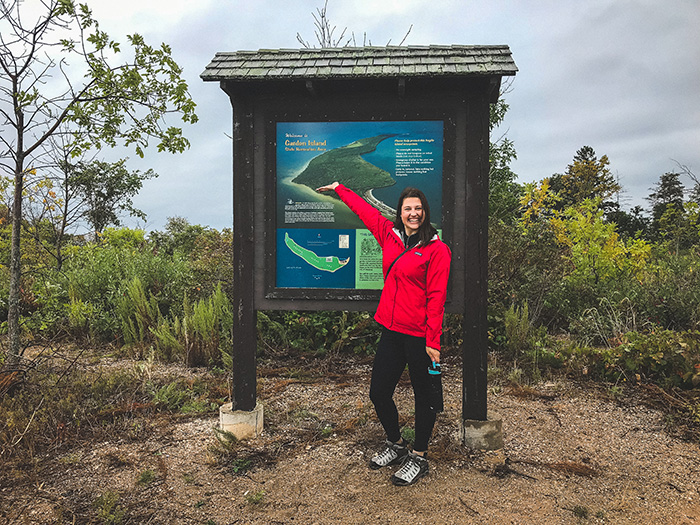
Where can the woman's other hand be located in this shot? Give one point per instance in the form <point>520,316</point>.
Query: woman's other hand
<point>433,353</point>
<point>330,187</point>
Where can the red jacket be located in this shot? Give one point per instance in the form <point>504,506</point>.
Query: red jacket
<point>413,298</point>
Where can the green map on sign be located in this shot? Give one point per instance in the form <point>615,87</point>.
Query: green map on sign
<point>346,165</point>
<point>327,264</point>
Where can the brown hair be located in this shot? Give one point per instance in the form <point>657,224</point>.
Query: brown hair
<point>426,231</point>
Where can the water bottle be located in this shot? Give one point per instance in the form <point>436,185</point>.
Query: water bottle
<point>434,369</point>
<point>435,394</point>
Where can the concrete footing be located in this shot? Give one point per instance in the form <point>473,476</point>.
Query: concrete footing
<point>481,435</point>
<point>241,423</point>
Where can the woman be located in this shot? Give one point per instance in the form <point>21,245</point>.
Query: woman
<point>416,266</point>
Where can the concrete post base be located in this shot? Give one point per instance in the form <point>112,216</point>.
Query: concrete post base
<point>241,423</point>
<point>481,435</point>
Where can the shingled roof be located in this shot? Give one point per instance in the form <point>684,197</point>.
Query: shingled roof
<point>361,62</point>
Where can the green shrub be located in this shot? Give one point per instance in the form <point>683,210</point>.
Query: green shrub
<point>106,271</point>
<point>108,510</point>
<point>671,291</point>
<point>48,312</point>
<point>318,332</point>
<point>95,279</point>
<point>665,357</point>
<point>664,293</point>
<point>525,266</point>
<point>80,316</point>
<point>452,331</point>
<point>271,333</point>
<point>207,251</point>
<point>4,289</point>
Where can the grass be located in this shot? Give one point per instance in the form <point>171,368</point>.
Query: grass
<point>240,465</point>
<point>71,459</point>
<point>303,414</point>
<point>67,397</point>
<point>226,442</point>
<point>227,452</point>
<point>326,430</point>
<point>255,498</point>
<point>409,435</point>
<point>580,512</point>
<point>146,478</point>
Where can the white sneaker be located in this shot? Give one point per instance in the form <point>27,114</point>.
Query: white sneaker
<point>391,453</point>
<point>414,467</point>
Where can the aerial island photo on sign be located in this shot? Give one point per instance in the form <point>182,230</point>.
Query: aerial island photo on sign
<point>320,242</point>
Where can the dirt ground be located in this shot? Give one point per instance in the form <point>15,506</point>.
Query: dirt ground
<point>571,455</point>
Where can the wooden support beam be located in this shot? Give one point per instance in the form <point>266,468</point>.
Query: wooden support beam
<point>243,385</point>
<point>475,326</point>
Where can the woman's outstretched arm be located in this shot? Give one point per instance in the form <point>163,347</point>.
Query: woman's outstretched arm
<point>368,214</point>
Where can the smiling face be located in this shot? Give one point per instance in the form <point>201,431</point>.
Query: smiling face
<point>411,214</point>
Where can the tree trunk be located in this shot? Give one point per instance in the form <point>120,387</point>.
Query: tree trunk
<point>13,328</point>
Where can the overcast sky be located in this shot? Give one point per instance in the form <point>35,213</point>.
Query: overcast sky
<point>621,76</point>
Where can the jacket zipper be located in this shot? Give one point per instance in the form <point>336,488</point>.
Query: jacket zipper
<point>396,282</point>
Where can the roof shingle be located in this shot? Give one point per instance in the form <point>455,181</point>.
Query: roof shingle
<point>361,62</point>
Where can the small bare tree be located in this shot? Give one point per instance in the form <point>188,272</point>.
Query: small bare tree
<point>325,30</point>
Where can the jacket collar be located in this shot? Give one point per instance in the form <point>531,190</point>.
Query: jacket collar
<point>401,235</point>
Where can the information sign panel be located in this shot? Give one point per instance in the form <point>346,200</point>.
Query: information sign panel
<point>320,243</point>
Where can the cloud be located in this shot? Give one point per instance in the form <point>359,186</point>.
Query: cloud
<point>621,76</point>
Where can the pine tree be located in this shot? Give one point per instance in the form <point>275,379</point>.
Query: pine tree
<point>587,177</point>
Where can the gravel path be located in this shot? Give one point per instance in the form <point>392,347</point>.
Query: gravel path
<point>570,456</point>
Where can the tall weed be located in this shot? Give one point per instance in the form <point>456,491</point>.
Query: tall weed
<point>607,323</point>
<point>517,325</point>
<point>202,335</point>
<point>138,314</point>
<point>207,329</point>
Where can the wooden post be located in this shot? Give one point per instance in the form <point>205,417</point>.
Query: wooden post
<point>474,326</point>
<point>243,386</point>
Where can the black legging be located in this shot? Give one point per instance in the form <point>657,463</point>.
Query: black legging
<point>394,351</point>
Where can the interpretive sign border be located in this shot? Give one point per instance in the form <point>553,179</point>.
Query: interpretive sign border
<point>380,112</point>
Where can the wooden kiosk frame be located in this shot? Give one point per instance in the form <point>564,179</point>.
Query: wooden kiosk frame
<point>452,84</point>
